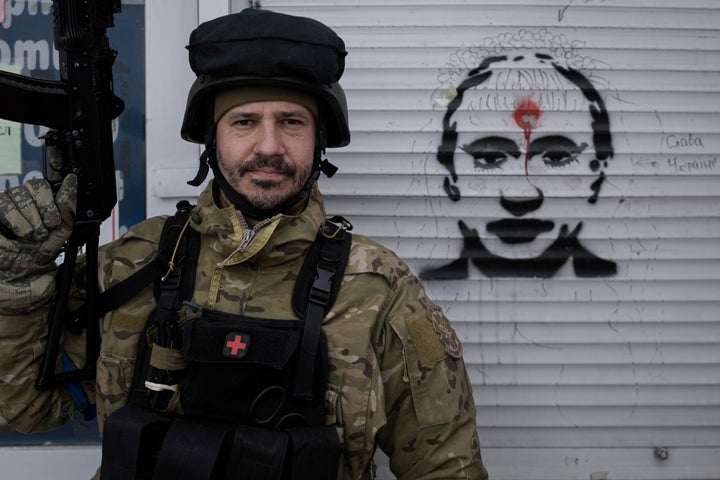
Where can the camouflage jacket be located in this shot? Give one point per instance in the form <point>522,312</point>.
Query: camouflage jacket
<point>397,378</point>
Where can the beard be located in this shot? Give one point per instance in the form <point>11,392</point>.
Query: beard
<point>270,193</point>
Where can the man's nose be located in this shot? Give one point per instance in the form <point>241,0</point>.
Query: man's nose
<point>268,141</point>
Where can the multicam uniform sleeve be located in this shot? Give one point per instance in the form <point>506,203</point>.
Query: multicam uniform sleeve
<point>23,334</point>
<point>35,224</point>
<point>431,431</point>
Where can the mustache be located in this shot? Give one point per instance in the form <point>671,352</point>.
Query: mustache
<point>262,161</point>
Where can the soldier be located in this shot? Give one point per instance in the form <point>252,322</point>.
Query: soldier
<point>229,365</point>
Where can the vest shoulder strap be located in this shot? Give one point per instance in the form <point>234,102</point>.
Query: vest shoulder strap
<point>322,270</point>
<point>315,292</point>
<point>174,281</point>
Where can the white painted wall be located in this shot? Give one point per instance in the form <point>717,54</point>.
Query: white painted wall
<point>575,378</point>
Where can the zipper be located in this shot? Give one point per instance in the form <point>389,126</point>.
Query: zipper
<point>247,236</point>
<point>249,233</point>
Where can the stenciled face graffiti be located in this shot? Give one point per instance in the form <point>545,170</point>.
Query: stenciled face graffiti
<point>555,126</point>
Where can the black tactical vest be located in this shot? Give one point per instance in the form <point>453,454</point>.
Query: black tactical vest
<point>251,391</point>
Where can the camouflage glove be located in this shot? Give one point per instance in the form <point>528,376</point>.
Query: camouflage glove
<point>33,228</point>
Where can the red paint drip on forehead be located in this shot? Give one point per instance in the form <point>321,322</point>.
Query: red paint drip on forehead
<point>527,116</point>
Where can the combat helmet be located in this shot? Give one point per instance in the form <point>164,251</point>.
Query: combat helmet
<point>258,47</point>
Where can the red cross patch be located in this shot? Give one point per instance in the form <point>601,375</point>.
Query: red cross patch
<point>236,345</point>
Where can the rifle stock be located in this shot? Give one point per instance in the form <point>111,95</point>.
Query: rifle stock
<point>79,109</point>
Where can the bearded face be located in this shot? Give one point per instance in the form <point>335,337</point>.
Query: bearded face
<point>265,150</point>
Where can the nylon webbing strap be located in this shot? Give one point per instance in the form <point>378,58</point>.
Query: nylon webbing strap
<point>258,454</point>
<point>129,287</point>
<point>117,295</point>
<point>192,451</point>
<point>332,257</point>
<point>315,453</point>
<point>179,253</point>
<point>131,440</point>
<point>123,291</point>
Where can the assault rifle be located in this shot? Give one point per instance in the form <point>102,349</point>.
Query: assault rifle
<point>78,109</point>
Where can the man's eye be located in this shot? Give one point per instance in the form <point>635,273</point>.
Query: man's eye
<point>558,158</point>
<point>487,159</point>
<point>293,123</point>
<point>557,151</point>
<point>491,152</point>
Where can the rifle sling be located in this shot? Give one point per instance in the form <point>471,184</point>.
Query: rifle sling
<point>123,291</point>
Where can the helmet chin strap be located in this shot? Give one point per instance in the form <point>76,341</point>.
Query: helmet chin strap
<point>209,159</point>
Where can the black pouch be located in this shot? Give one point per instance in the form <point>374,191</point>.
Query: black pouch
<point>242,370</point>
